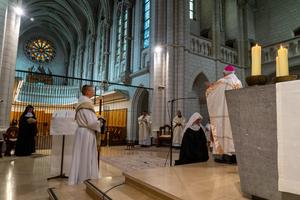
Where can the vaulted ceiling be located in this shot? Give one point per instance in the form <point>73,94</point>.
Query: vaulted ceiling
<point>68,20</point>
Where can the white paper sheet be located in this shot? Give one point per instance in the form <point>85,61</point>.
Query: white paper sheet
<point>63,123</point>
<point>288,136</point>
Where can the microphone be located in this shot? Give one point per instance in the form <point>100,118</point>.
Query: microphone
<point>183,98</point>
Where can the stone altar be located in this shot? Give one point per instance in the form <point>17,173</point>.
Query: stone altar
<point>252,113</point>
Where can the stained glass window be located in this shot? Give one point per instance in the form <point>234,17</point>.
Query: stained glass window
<point>192,9</point>
<point>40,50</point>
<point>122,36</point>
<point>146,23</point>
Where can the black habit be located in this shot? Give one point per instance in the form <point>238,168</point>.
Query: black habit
<point>26,143</point>
<point>193,147</point>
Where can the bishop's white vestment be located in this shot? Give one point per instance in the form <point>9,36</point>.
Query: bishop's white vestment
<point>218,113</point>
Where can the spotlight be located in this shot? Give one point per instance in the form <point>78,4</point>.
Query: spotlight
<point>158,49</point>
<point>19,11</point>
<point>31,19</point>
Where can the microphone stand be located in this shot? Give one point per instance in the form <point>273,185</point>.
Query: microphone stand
<point>171,118</point>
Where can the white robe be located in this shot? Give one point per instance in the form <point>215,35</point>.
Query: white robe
<point>84,160</point>
<point>208,131</point>
<point>217,108</point>
<point>144,130</point>
<point>177,130</point>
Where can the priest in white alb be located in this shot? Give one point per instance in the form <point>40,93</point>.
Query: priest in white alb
<point>178,125</point>
<point>84,160</point>
<point>223,146</point>
<point>144,129</point>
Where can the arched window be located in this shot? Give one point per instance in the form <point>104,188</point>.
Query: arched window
<point>146,23</point>
<point>192,9</point>
<point>122,35</point>
<point>40,50</point>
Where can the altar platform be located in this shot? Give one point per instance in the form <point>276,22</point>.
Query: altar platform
<point>195,181</point>
<point>202,181</point>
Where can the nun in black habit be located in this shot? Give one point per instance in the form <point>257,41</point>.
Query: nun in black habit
<point>25,145</point>
<point>194,144</point>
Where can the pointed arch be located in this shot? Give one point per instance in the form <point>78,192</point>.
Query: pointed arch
<point>140,102</point>
<point>199,90</point>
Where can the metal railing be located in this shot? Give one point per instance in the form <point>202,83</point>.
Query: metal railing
<point>48,93</point>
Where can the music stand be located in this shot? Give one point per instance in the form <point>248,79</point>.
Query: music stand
<point>63,123</point>
<point>61,175</point>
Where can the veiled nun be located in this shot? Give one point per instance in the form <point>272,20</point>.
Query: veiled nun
<point>194,144</point>
<point>25,145</point>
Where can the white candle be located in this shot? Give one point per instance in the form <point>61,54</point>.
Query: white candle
<point>256,60</point>
<point>283,61</point>
<point>277,67</point>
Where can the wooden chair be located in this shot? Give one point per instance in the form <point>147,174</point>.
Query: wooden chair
<point>164,135</point>
<point>2,132</point>
<point>1,142</point>
<point>10,138</point>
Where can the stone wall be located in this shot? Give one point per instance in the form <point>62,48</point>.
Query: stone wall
<point>275,20</point>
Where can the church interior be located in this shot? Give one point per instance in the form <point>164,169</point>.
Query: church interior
<point>154,56</point>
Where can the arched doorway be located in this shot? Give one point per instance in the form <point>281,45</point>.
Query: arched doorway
<point>140,103</point>
<point>199,89</point>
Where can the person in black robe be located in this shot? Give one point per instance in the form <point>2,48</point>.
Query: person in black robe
<point>25,145</point>
<point>194,144</point>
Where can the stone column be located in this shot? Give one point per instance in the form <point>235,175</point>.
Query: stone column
<point>67,66</point>
<point>216,29</point>
<point>171,49</point>
<point>98,53</point>
<point>3,18</point>
<point>71,68</point>
<point>101,63</point>
<point>10,30</point>
<point>106,47</point>
<point>182,30</point>
<point>69,71</point>
<point>81,61</point>
<point>126,78</point>
<point>243,33</point>
<point>73,61</point>
<point>76,67</point>
<point>216,36</point>
<point>91,60</point>
<point>158,67</point>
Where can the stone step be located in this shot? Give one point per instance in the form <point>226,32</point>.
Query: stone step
<point>116,188</point>
<point>65,192</point>
<point>146,188</point>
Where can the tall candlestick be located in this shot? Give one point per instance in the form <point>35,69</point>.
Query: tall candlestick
<point>256,60</point>
<point>277,67</point>
<point>283,61</point>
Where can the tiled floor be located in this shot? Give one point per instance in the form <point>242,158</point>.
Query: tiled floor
<point>26,178</point>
